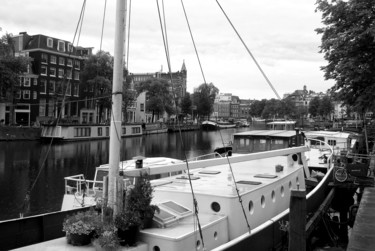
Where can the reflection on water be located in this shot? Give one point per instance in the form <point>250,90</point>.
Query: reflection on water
<point>41,168</point>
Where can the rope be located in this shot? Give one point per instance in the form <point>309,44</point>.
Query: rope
<point>251,55</point>
<point>165,41</point>
<point>192,38</point>
<point>101,37</point>
<point>28,193</point>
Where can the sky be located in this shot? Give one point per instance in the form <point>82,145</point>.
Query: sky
<point>279,34</point>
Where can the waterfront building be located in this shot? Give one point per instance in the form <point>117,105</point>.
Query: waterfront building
<point>50,86</point>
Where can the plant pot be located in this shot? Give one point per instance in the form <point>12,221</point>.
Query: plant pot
<point>79,239</point>
<point>129,236</point>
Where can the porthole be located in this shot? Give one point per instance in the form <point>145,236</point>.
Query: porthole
<point>156,248</point>
<point>251,207</point>
<point>295,157</point>
<point>273,197</point>
<point>215,207</point>
<point>215,236</point>
<point>282,191</point>
<point>263,201</point>
<point>198,244</point>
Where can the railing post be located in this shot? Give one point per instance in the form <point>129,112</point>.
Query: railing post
<point>297,220</point>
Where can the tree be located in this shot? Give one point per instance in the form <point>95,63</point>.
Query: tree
<point>314,106</point>
<point>287,108</point>
<point>158,96</point>
<point>204,98</point>
<point>325,107</point>
<point>256,108</point>
<point>11,68</point>
<point>348,44</point>
<point>129,95</point>
<point>97,76</point>
<point>186,104</point>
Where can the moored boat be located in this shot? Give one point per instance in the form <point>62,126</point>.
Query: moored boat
<point>76,132</point>
<point>216,125</point>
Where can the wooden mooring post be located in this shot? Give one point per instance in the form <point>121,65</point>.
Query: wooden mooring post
<point>297,220</point>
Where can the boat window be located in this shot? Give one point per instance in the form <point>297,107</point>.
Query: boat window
<point>162,218</point>
<point>249,182</point>
<point>331,142</point>
<point>99,177</point>
<point>175,208</point>
<point>185,177</point>
<point>209,172</point>
<point>266,176</point>
<point>260,145</point>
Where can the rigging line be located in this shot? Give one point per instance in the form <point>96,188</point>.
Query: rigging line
<point>27,196</point>
<point>252,56</point>
<point>80,27</point>
<point>166,43</point>
<point>236,187</point>
<point>101,37</point>
<point>192,38</point>
<point>178,124</point>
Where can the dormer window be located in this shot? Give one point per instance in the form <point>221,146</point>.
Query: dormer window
<point>61,46</point>
<point>49,42</point>
<point>70,47</point>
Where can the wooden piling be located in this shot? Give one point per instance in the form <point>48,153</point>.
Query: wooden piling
<point>297,220</point>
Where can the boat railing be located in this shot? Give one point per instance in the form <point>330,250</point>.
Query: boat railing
<point>78,184</point>
<point>323,147</point>
<point>206,156</point>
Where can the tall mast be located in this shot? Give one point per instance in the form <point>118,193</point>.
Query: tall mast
<point>115,133</point>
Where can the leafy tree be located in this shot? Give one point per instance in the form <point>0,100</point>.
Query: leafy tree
<point>158,96</point>
<point>270,109</point>
<point>287,108</point>
<point>348,44</point>
<point>186,104</point>
<point>256,108</point>
<point>11,68</point>
<point>204,98</point>
<point>314,106</point>
<point>97,75</point>
<point>325,107</point>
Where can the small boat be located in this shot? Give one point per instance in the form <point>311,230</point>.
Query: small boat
<point>216,125</point>
<point>76,132</point>
<point>281,125</point>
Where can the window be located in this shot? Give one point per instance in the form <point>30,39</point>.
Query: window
<point>61,61</point>
<point>43,70</point>
<point>43,86</point>
<point>61,73</point>
<point>136,130</point>
<point>75,90</point>
<point>331,142</point>
<point>77,64</point>
<point>53,59</point>
<point>124,131</point>
<point>142,107</point>
<point>35,81</point>
<point>100,131</point>
<point>76,75</point>
<point>68,91</point>
<point>59,89</point>
<point>26,94</point>
<point>69,73</point>
<point>70,47</point>
<point>69,62</point>
<point>51,87</point>
<point>35,95</point>
<point>44,58</point>
<point>49,42</point>
<point>27,82</point>
<point>82,131</point>
<point>52,71</point>
<point>42,107</point>
<point>61,46</point>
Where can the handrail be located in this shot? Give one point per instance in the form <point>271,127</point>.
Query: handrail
<point>215,154</point>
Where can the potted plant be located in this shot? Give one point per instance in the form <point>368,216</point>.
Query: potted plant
<point>81,227</point>
<point>138,211</point>
<point>107,239</point>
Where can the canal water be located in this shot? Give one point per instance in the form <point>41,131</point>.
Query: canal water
<point>34,171</point>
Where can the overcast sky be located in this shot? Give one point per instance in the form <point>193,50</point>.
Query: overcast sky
<point>280,34</point>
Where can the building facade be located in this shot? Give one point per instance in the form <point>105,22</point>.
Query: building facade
<point>50,88</point>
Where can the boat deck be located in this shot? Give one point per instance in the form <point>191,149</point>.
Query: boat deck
<point>363,234</point>
<point>213,181</point>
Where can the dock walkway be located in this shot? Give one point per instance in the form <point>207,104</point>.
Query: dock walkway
<point>362,237</point>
